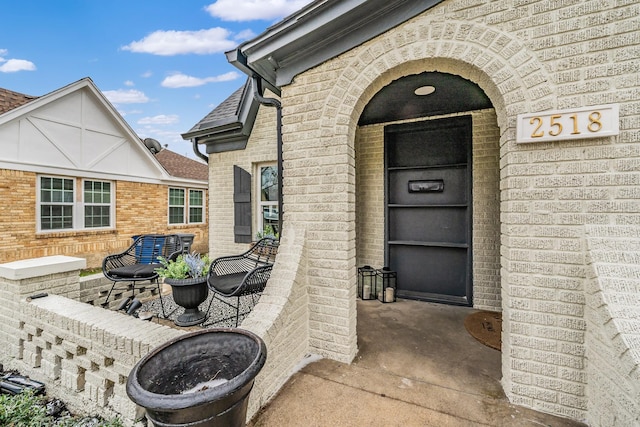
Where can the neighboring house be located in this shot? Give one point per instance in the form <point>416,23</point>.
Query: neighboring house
<point>487,151</point>
<point>78,181</point>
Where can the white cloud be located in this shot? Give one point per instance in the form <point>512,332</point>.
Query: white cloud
<point>3,52</point>
<point>129,96</point>
<point>182,80</point>
<point>129,83</point>
<point>244,35</point>
<point>252,10</point>
<point>161,119</point>
<point>167,43</point>
<point>146,74</point>
<point>13,65</point>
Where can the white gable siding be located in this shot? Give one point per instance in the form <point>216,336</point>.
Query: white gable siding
<point>72,134</point>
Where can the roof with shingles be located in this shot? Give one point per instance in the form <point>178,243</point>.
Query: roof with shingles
<point>182,167</point>
<point>10,100</point>
<point>223,113</point>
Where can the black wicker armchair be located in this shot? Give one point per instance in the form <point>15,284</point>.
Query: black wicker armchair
<point>139,262</point>
<point>240,275</point>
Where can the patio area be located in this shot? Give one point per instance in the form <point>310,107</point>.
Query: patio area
<point>220,315</point>
<point>417,366</point>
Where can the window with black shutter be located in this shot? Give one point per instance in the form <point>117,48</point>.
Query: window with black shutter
<point>242,205</point>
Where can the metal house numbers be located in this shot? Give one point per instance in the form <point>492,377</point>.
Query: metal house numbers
<point>578,123</point>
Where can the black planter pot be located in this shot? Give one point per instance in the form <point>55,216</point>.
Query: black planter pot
<point>159,380</point>
<point>189,293</point>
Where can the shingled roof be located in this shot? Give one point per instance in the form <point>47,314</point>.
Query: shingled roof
<point>224,113</point>
<point>182,167</point>
<point>10,100</point>
<point>228,126</point>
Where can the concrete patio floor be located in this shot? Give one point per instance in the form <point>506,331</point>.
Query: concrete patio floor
<point>416,366</point>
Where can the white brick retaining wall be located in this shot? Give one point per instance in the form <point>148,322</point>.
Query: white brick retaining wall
<point>84,353</point>
<point>81,352</point>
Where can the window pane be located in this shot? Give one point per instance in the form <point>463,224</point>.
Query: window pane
<point>97,200</point>
<point>56,199</point>
<point>176,215</point>
<point>56,217</point>
<point>270,217</point>
<point>106,192</point>
<point>96,216</point>
<point>195,214</point>
<point>97,192</point>
<point>195,198</point>
<point>196,202</point>
<point>58,190</point>
<point>176,197</point>
<point>269,184</point>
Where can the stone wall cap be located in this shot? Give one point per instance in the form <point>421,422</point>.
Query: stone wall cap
<point>35,267</point>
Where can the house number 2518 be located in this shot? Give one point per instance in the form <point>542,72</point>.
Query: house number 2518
<point>588,122</point>
<point>555,124</point>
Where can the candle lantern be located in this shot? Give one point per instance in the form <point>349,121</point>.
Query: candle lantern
<point>386,283</point>
<point>367,282</point>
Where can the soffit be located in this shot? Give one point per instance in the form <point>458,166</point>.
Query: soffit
<point>318,32</point>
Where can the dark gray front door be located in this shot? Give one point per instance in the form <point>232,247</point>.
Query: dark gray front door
<point>428,209</point>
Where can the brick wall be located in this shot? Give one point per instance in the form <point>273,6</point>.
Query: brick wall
<point>82,353</point>
<point>613,331</point>
<point>527,56</point>
<point>261,148</point>
<point>282,318</point>
<point>140,208</point>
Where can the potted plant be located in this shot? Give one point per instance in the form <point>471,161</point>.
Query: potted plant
<point>187,275</point>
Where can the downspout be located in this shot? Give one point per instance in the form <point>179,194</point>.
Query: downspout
<point>196,150</point>
<point>272,102</point>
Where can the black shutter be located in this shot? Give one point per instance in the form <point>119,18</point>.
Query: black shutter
<point>242,205</point>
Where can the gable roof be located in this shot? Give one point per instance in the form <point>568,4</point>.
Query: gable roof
<point>322,30</point>
<point>181,166</point>
<point>10,100</point>
<point>76,130</point>
<point>228,126</point>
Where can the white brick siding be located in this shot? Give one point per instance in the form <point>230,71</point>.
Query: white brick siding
<point>527,56</point>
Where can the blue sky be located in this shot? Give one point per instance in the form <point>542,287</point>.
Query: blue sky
<point>160,62</point>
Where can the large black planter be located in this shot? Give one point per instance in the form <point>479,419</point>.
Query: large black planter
<point>189,293</point>
<point>159,380</point>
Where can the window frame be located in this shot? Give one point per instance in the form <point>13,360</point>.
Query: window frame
<point>260,204</point>
<point>200,206</point>
<point>110,204</point>
<point>78,204</point>
<point>186,206</point>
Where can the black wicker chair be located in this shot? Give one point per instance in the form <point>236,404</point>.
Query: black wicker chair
<point>240,275</point>
<point>138,263</point>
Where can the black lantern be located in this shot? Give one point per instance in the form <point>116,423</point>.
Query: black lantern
<point>386,284</point>
<point>367,282</point>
